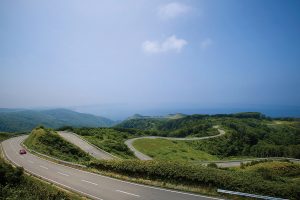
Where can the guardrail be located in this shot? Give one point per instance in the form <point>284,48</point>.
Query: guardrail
<point>248,195</point>
<point>249,160</point>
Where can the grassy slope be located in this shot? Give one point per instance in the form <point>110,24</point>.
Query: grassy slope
<point>163,149</point>
<point>50,143</point>
<point>276,171</point>
<point>108,139</point>
<point>233,145</point>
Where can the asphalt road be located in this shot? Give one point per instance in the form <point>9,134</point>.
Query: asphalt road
<point>92,185</point>
<point>85,146</point>
<point>142,156</point>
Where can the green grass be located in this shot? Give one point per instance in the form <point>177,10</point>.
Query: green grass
<point>108,139</point>
<point>200,176</point>
<point>5,136</point>
<point>276,168</point>
<point>50,143</point>
<point>163,149</point>
<point>14,185</point>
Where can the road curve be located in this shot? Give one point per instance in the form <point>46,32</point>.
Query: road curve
<point>90,184</point>
<point>142,156</point>
<point>85,146</point>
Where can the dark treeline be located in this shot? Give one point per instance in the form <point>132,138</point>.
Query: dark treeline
<point>252,137</point>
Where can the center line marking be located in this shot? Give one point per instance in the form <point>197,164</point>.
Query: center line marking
<point>43,167</point>
<point>128,193</point>
<point>89,182</point>
<point>63,174</point>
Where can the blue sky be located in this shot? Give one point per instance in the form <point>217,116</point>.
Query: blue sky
<point>150,54</point>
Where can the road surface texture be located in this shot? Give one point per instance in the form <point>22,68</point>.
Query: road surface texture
<point>142,156</point>
<point>92,185</point>
<point>85,146</point>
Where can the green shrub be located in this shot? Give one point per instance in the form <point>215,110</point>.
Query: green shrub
<point>184,173</point>
<point>50,143</point>
<point>14,184</point>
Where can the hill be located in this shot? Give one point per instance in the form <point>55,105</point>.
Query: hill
<point>177,125</point>
<point>12,120</point>
<point>50,143</point>
<point>248,134</point>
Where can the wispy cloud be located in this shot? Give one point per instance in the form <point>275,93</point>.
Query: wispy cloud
<point>172,43</point>
<point>206,43</point>
<point>172,10</point>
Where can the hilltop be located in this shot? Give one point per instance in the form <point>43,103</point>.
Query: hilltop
<point>18,120</point>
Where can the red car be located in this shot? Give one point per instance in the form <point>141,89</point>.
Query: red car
<point>22,151</point>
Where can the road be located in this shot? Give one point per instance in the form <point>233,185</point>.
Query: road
<point>92,185</point>
<point>142,156</point>
<point>85,146</point>
<point>220,163</point>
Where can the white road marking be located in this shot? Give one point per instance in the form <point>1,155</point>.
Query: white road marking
<point>89,182</point>
<point>30,161</point>
<point>128,193</point>
<point>50,180</point>
<point>94,174</point>
<point>44,167</point>
<point>22,157</point>
<point>63,174</point>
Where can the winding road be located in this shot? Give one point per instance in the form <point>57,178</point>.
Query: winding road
<point>92,185</point>
<point>142,156</point>
<point>85,146</point>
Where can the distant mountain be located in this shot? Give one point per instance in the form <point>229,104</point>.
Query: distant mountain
<point>169,116</point>
<point>10,109</point>
<point>17,120</point>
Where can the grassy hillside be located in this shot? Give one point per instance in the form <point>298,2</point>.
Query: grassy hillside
<point>26,120</point>
<point>254,137</point>
<point>174,126</point>
<point>162,149</point>
<point>248,134</point>
<point>109,139</point>
<point>50,143</point>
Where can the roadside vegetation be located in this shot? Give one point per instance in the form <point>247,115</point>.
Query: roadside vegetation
<point>109,139</point>
<point>4,136</point>
<point>247,135</point>
<point>241,180</point>
<point>254,137</point>
<point>192,125</point>
<point>163,149</point>
<point>15,184</point>
<point>47,141</point>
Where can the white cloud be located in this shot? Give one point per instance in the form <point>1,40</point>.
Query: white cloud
<point>206,43</point>
<point>172,10</point>
<point>172,43</point>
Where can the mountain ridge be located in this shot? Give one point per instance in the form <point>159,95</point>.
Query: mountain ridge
<point>23,120</point>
